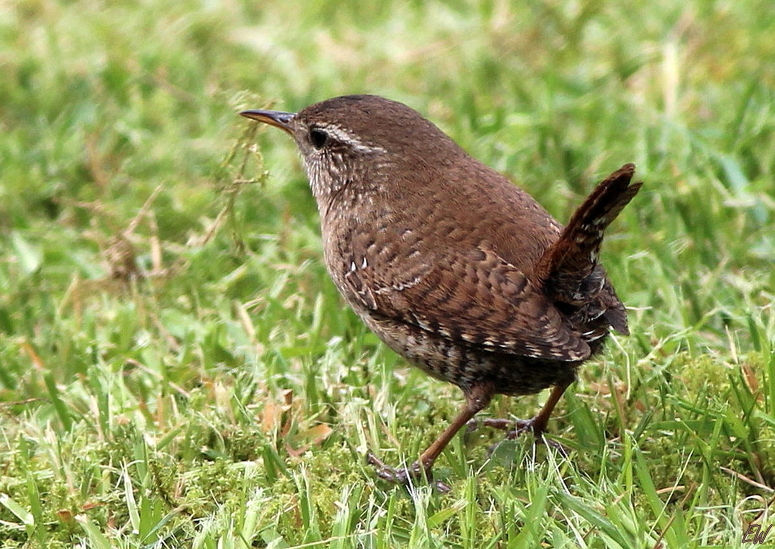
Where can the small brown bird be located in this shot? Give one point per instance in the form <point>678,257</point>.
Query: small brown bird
<point>455,268</point>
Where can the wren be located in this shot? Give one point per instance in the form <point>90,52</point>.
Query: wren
<point>455,268</point>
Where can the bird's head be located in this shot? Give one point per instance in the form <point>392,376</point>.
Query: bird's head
<point>356,140</point>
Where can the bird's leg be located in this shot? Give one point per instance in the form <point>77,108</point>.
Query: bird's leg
<point>476,400</point>
<point>540,421</point>
<point>537,425</point>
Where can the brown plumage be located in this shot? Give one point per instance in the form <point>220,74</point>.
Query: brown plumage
<point>455,268</point>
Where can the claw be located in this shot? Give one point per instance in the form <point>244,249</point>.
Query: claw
<point>406,476</point>
<point>519,427</point>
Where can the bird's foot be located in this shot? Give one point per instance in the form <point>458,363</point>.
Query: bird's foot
<point>407,476</point>
<point>519,427</point>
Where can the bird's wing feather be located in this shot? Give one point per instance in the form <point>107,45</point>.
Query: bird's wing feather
<point>473,297</point>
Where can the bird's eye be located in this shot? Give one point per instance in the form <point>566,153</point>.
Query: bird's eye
<point>318,138</point>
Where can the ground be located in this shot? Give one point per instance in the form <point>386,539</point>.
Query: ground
<point>176,369</point>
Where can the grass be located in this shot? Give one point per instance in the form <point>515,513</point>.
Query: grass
<point>176,369</point>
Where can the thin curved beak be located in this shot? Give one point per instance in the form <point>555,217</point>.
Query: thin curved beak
<point>278,119</point>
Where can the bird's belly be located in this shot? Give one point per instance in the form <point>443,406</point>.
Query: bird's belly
<point>465,366</point>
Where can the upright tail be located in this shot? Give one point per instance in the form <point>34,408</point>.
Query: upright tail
<point>566,266</point>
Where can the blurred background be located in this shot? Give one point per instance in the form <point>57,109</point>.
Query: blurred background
<point>175,366</point>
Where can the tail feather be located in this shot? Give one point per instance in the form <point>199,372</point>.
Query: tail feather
<point>566,266</point>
